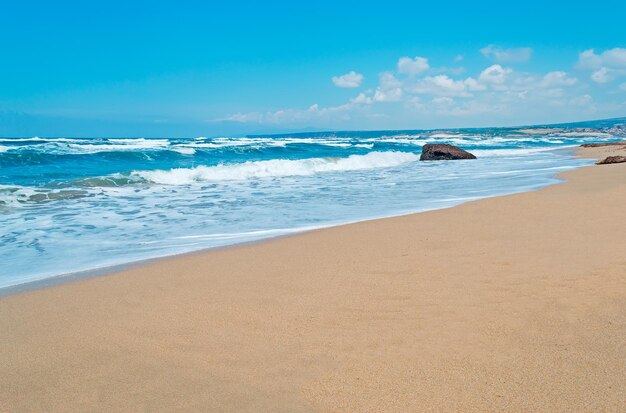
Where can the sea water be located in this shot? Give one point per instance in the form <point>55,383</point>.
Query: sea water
<point>70,204</point>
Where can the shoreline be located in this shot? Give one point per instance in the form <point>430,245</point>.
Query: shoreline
<point>102,271</point>
<point>511,303</point>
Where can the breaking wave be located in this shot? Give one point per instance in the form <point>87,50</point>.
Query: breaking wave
<point>275,168</point>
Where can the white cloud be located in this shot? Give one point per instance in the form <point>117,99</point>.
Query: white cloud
<point>557,79</point>
<point>589,60</point>
<point>441,85</point>
<point>605,66</point>
<point>458,58</point>
<point>612,58</point>
<point>388,80</point>
<point>615,57</point>
<point>474,85</point>
<point>414,87</point>
<point>499,54</point>
<point>389,88</point>
<point>362,98</point>
<point>525,80</point>
<point>443,101</point>
<point>391,95</point>
<point>414,66</point>
<point>602,75</point>
<point>444,82</point>
<point>349,80</point>
<point>494,74</point>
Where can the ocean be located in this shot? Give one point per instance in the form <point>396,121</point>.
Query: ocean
<point>75,204</point>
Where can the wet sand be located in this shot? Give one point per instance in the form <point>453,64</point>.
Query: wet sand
<point>514,303</point>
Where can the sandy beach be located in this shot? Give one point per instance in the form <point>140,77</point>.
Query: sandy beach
<point>514,303</point>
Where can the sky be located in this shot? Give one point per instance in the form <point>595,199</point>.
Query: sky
<point>206,68</point>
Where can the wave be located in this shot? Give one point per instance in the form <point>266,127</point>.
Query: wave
<point>591,134</point>
<point>184,150</point>
<point>190,147</point>
<point>472,141</point>
<point>68,146</point>
<point>275,168</point>
<point>219,143</point>
<point>114,145</point>
<point>35,139</point>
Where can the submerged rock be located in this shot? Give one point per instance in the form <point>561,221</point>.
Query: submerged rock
<point>612,159</point>
<point>442,152</point>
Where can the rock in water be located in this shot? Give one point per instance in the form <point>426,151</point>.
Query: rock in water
<point>442,152</point>
<point>612,159</point>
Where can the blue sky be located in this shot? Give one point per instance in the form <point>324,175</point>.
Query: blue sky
<point>205,68</point>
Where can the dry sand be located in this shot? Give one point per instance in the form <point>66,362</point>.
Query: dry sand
<point>514,303</point>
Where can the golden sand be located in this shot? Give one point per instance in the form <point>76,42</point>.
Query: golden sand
<point>515,303</point>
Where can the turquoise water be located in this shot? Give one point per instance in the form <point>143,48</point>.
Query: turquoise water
<point>70,204</point>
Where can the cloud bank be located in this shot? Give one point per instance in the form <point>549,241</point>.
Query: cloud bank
<point>415,90</point>
<point>606,66</point>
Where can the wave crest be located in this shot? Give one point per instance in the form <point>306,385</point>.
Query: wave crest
<point>275,168</point>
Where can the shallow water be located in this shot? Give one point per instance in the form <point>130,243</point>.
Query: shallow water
<point>70,204</point>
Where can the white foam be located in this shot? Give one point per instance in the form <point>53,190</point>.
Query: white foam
<point>120,145</point>
<point>89,146</point>
<point>592,134</point>
<point>190,147</point>
<point>448,135</point>
<point>275,168</point>
<point>537,131</point>
<point>184,150</point>
<point>35,139</point>
<point>251,234</point>
<point>484,153</point>
<point>269,142</point>
<point>38,139</point>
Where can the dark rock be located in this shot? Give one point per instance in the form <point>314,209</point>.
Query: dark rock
<point>612,159</point>
<point>442,152</point>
